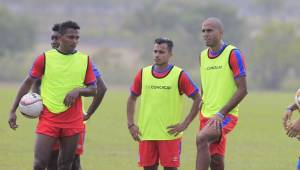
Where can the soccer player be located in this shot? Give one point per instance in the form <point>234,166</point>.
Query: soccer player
<point>223,85</point>
<point>76,165</point>
<point>101,89</point>
<point>66,75</point>
<point>54,45</point>
<point>159,127</point>
<point>293,128</point>
<point>54,36</point>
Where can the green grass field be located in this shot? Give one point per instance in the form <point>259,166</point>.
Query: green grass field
<point>258,142</point>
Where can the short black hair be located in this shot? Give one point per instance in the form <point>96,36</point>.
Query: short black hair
<point>55,27</point>
<point>66,25</point>
<point>162,40</point>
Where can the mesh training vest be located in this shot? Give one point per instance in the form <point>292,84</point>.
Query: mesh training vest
<point>217,81</point>
<point>62,74</point>
<point>161,104</point>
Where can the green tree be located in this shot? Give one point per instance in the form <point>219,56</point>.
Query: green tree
<point>268,8</point>
<point>181,21</point>
<point>274,54</point>
<point>17,33</point>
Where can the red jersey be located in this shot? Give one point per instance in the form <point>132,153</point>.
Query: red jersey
<point>236,61</point>
<point>186,85</point>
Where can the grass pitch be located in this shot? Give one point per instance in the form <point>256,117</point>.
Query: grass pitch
<point>258,142</point>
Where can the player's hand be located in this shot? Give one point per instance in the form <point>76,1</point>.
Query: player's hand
<point>178,128</point>
<point>135,132</point>
<point>293,129</point>
<point>71,97</point>
<point>286,118</point>
<point>215,122</point>
<point>12,120</point>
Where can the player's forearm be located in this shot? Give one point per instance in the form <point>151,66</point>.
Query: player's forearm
<point>292,107</point>
<point>94,105</point>
<point>90,90</point>
<point>25,87</point>
<point>194,110</point>
<point>131,109</point>
<point>101,90</point>
<point>36,87</point>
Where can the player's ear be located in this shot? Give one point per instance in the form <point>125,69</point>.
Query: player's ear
<point>171,53</point>
<point>59,35</point>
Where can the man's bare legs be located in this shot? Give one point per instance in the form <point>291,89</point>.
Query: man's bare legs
<point>154,167</point>
<point>209,134</point>
<point>42,151</point>
<point>67,151</point>
<point>52,165</point>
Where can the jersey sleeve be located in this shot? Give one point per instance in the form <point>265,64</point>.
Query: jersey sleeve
<point>186,85</point>
<point>136,87</point>
<point>96,71</point>
<point>237,63</point>
<point>90,76</point>
<point>38,67</point>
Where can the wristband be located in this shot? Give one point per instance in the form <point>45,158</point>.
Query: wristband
<point>289,109</point>
<point>130,125</point>
<point>220,115</point>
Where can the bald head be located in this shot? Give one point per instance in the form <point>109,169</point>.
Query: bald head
<point>215,22</point>
<point>212,32</point>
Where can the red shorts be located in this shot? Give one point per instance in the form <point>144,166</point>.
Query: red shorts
<point>167,152</point>
<point>56,131</point>
<point>228,125</point>
<point>80,143</point>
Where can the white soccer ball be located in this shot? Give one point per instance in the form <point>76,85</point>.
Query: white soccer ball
<point>31,105</point>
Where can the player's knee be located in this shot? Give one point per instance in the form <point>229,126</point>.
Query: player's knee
<point>64,164</point>
<point>201,140</point>
<point>217,162</point>
<point>76,163</point>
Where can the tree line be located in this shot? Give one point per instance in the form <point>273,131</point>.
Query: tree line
<point>269,42</point>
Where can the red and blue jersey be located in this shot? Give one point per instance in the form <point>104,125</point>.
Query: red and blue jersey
<point>186,85</point>
<point>38,68</point>
<point>96,71</point>
<point>236,61</point>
